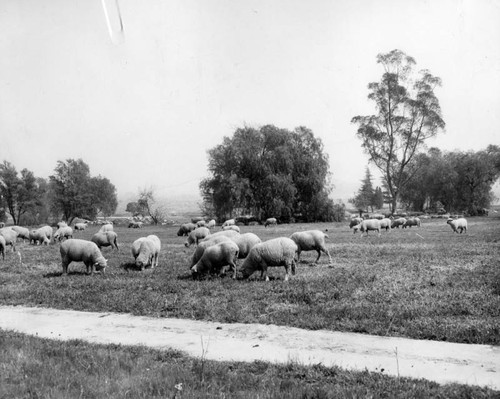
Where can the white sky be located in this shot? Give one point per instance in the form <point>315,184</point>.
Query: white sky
<point>143,111</point>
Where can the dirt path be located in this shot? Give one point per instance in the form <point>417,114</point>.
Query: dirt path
<point>442,362</point>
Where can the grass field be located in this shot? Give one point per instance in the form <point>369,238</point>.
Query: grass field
<point>425,283</point>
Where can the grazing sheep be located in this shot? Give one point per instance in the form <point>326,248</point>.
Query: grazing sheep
<point>10,237</point>
<point>75,250</point>
<point>39,236</point>
<point>227,233</point>
<point>63,233</point>
<point>211,224</point>
<point>232,227</point>
<point>105,239</point>
<point>385,224</point>
<point>355,221</point>
<point>49,233</point>
<point>215,257</point>
<point>2,246</point>
<point>196,219</point>
<point>106,227</point>
<point>135,225</point>
<point>22,232</point>
<point>370,224</point>
<point>80,226</point>
<point>411,222</point>
<point>61,224</point>
<point>270,221</point>
<point>197,235</point>
<point>398,222</point>
<point>458,224</point>
<point>245,243</point>
<point>201,223</point>
<point>230,222</point>
<point>185,229</point>
<point>204,244</point>
<point>311,240</point>
<point>276,252</point>
<point>149,251</point>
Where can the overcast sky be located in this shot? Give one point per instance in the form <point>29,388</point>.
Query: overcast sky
<point>142,108</point>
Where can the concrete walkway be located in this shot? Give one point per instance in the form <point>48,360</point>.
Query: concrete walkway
<point>442,362</point>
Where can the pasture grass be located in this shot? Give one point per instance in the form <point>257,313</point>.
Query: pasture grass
<point>42,368</point>
<point>423,283</point>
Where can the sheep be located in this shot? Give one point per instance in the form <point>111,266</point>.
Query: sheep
<point>106,227</point>
<point>245,243</point>
<point>80,226</point>
<point>229,222</point>
<point>22,232</point>
<point>311,240</point>
<point>211,224</point>
<point>76,250</point>
<point>105,239</point>
<point>215,257</point>
<point>279,251</point>
<point>197,235</point>
<point>398,222</point>
<point>385,224</point>
<point>185,229</point>
<point>196,219</point>
<point>149,251</point>
<point>231,227</point>
<point>411,222</point>
<point>2,246</point>
<point>39,236</point>
<point>135,225</point>
<point>49,233</point>
<point>64,232</point>
<point>204,244</point>
<point>270,221</point>
<point>355,221</point>
<point>61,224</point>
<point>458,224</point>
<point>201,223</point>
<point>227,233</point>
<point>10,237</point>
<point>370,224</point>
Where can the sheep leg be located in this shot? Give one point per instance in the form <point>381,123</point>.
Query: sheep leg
<point>65,267</point>
<point>293,267</point>
<point>298,256</point>
<point>319,254</point>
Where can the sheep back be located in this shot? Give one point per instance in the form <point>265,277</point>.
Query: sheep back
<point>215,257</point>
<point>76,250</point>
<point>185,229</point>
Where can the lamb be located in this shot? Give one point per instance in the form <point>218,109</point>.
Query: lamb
<point>411,222</point>
<point>270,221</point>
<point>458,224</point>
<point>185,229</point>
<point>398,222</point>
<point>311,240</point>
<point>2,246</point>
<point>10,237</point>
<point>204,244</point>
<point>80,226</point>
<point>215,257</point>
<point>105,239</point>
<point>22,232</point>
<point>197,235</point>
<point>229,222</point>
<point>39,236</point>
<point>211,224</point>
<point>276,252</point>
<point>355,221</point>
<point>75,250</point>
<point>385,224</point>
<point>370,224</point>
<point>64,232</point>
<point>149,251</point>
<point>106,227</point>
<point>231,227</point>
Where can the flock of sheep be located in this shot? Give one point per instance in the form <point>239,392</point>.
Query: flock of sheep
<point>214,250</point>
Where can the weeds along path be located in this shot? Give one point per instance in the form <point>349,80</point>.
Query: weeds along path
<point>442,362</point>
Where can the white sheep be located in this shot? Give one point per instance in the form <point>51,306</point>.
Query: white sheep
<point>227,233</point>
<point>39,236</point>
<point>411,222</point>
<point>279,251</point>
<point>201,223</point>
<point>204,244</point>
<point>22,232</point>
<point>80,226</point>
<point>215,257</point>
<point>386,223</point>
<point>185,229</point>
<point>106,227</point>
<point>458,224</point>
<point>61,224</point>
<point>231,227</point>
<point>2,246</point>
<point>211,224</point>
<point>75,250</point>
<point>10,237</point>
<point>245,243</point>
<point>229,222</point>
<point>109,238</point>
<point>197,235</point>
<point>355,221</point>
<point>270,221</point>
<point>398,222</point>
<point>311,240</point>
<point>149,251</point>
<point>370,224</point>
<point>136,246</point>
<point>64,232</point>
<point>49,233</point>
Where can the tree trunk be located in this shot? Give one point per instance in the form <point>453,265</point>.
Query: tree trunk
<point>394,203</point>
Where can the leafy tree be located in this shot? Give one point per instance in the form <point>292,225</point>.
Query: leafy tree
<point>20,193</point>
<point>268,172</point>
<point>74,193</point>
<point>407,114</point>
<point>147,205</point>
<point>364,198</point>
<point>378,198</point>
<point>134,208</point>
